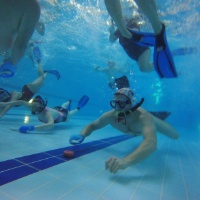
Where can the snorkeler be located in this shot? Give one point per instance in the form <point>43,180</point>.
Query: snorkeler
<point>163,61</point>
<point>129,118</point>
<point>49,116</point>
<point>111,72</point>
<point>28,90</point>
<point>17,22</point>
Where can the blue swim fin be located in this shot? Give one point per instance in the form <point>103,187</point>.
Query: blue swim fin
<point>7,70</point>
<point>82,102</point>
<point>184,51</point>
<point>163,61</point>
<point>54,72</point>
<point>143,38</point>
<point>37,54</point>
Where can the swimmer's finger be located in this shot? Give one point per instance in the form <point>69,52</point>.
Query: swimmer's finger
<point>14,129</point>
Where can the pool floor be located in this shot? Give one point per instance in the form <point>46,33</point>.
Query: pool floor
<point>32,166</point>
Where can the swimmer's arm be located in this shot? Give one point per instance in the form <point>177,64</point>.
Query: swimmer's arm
<point>100,69</point>
<point>48,125</point>
<point>148,145</point>
<point>15,103</point>
<point>5,107</point>
<point>25,31</point>
<point>4,110</point>
<point>95,125</point>
<point>123,71</point>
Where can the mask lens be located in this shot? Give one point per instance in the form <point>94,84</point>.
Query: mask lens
<point>121,104</point>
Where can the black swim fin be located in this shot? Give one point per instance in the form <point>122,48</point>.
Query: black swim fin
<point>122,82</point>
<point>163,60</point>
<point>161,115</point>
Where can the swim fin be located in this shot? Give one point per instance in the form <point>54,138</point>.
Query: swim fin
<point>184,51</point>
<point>143,38</point>
<point>7,70</point>
<point>37,54</point>
<point>161,115</point>
<point>82,102</point>
<point>122,82</point>
<point>54,72</point>
<point>163,61</point>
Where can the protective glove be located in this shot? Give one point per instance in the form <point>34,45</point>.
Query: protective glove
<point>24,129</point>
<point>7,69</point>
<point>76,139</point>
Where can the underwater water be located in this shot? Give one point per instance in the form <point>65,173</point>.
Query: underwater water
<point>76,40</point>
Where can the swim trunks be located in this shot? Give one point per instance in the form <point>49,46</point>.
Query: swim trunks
<point>27,94</point>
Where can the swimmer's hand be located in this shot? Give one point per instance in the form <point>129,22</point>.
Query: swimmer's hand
<point>113,164</point>
<point>14,129</point>
<point>7,69</point>
<point>76,139</point>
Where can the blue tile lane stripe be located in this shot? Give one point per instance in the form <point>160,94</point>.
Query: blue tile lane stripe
<point>14,169</point>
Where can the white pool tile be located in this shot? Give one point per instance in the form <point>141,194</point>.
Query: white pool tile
<point>170,173</point>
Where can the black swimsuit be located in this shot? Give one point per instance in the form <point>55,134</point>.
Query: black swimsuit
<point>63,117</point>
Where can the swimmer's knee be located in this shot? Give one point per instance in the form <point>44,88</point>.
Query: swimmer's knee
<point>176,137</point>
<point>144,69</point>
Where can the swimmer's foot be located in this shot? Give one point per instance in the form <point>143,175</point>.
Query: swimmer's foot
<point>143,38</point>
